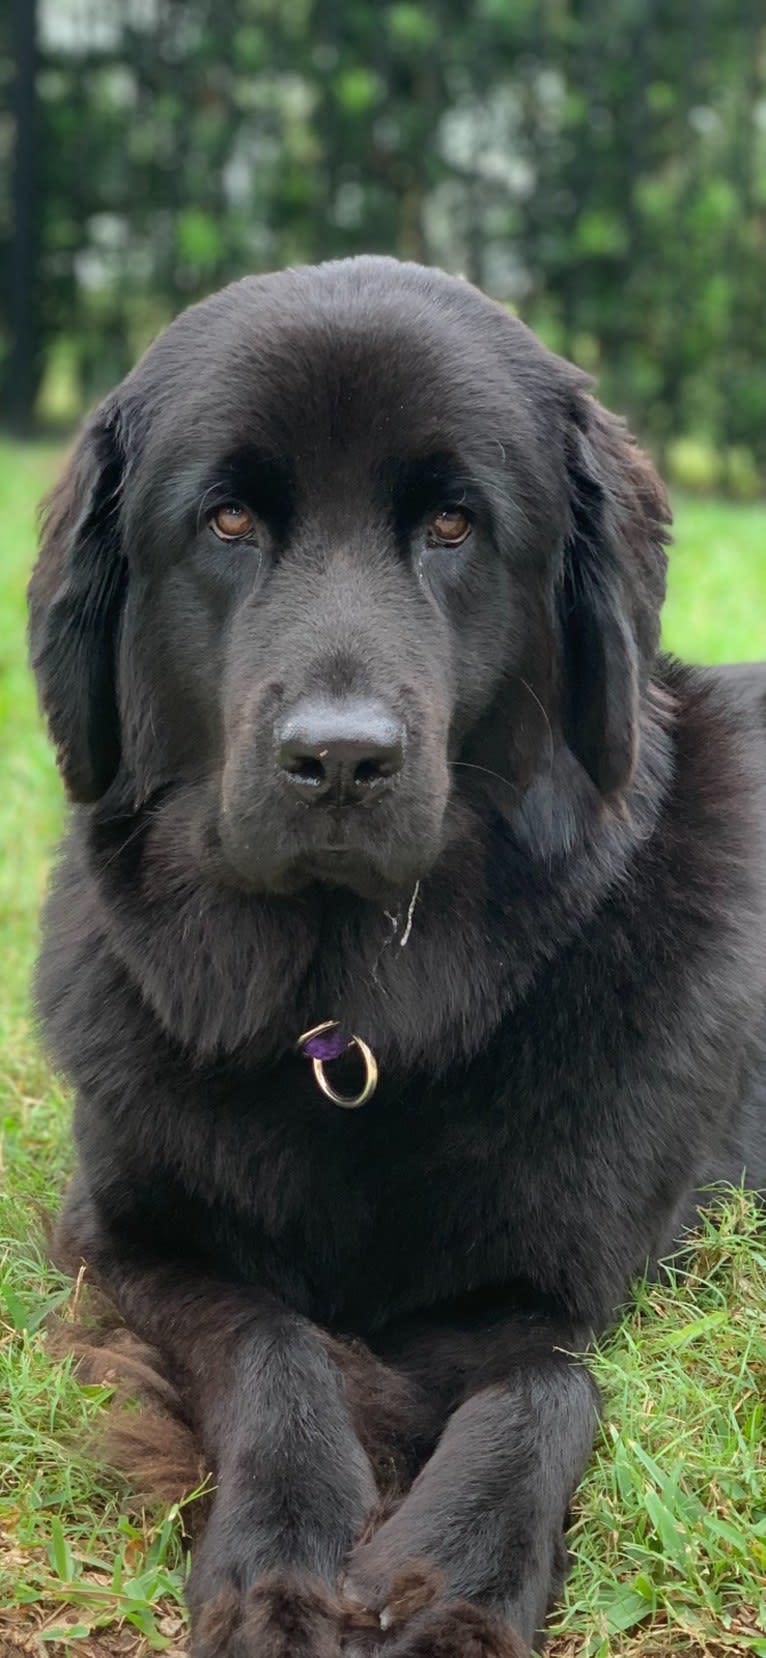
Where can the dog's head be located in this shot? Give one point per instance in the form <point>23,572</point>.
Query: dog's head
<point>345,534</point>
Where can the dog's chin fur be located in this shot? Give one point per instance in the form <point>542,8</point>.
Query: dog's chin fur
<point>351,876</point>
<point>550,933</point>
<point>315,875</point>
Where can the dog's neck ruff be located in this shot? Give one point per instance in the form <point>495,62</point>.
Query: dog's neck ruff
<point>328,1041</point>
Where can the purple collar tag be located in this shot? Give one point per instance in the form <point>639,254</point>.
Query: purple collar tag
<point>326,1044</point>
<point>328,1041</point>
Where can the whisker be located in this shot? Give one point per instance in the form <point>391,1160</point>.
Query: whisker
<point>123,844</point>
<point>210,491</point>
<point>468,765</point>
<point>151,813</point>
<point>551,745</point>
<point>543,711</point>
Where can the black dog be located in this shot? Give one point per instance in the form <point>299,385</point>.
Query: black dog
<point>345,624</point>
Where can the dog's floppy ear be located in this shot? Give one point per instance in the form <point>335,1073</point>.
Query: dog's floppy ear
<point>611,588</point>
<point>75,596</point>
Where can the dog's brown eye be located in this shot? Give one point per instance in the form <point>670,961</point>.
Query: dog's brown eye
<point>449,527</point>
<point>231,521</point>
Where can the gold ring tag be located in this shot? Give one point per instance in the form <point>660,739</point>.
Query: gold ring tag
<point>326,1042</point>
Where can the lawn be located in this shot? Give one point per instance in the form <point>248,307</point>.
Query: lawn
<point>669,1534</point>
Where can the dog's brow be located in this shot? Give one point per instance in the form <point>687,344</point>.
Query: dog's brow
<point>418,481</point>
<point>261,478</point>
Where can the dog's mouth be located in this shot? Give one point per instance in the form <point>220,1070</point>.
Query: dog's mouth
<point>282,866</point>
<point>333,863</point>
<point>341,867</point>
<point>376,852</point>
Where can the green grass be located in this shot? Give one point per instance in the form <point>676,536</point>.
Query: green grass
<point>716,605</point>
<point>669,1535</point>
<point>669,1541</point>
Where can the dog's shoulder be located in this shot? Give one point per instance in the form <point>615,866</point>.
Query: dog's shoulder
<point>743,684</point>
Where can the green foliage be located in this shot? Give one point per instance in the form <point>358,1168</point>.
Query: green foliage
<point>697,465</point>
<point>669,1534</point>
<point>610,182</point>
<point>669,1543</point>
<point>413,26</point>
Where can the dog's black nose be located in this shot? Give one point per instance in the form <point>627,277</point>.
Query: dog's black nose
<point>344,752</point>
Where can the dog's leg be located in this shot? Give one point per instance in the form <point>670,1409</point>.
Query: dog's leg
<point>293,1483</point>
<point>485,1518</point>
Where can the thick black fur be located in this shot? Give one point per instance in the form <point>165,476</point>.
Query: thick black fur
<point>568,1012</point>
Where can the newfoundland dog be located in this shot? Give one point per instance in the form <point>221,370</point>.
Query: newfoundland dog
<point>407,952</point>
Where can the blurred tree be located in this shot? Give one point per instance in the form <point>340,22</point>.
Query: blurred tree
<point>25,345</point>
<point>604,174</point>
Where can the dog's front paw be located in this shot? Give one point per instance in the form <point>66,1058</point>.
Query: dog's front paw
<point>456,1629</point>
<point>415,1620</point>
<point>285,1615</point>
<point>393,1590</point>
<point>377,1604</point>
